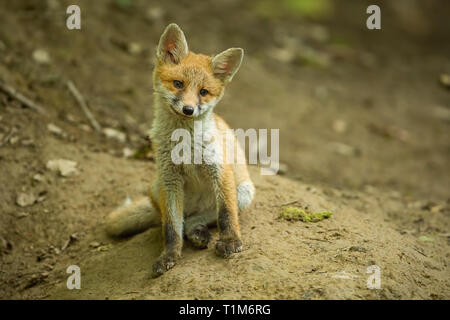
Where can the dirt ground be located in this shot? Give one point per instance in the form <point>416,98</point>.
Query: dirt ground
<point>363,122</point>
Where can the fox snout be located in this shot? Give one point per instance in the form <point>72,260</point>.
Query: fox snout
<point>188,110</point>
<point>186,104</point>
<point>189,100</point>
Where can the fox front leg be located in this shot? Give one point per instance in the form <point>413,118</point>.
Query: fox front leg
<point>228,220</point>
<point>171,206</point>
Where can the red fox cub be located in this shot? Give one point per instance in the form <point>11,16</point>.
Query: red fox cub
<point>188,198</point>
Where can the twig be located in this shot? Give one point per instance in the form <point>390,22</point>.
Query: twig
<point>288,203</point>
<point>77,95</point>
<point>5,140</point>
<point>420,252</point>
<point>13,93</point>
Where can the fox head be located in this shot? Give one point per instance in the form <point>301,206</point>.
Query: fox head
<point>191,84</point>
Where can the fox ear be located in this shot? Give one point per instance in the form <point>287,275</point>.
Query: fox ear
<point>227,63</point>
<point>172,45</point>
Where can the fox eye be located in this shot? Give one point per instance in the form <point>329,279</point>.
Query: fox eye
<point>203,92</point>
<point>178,84</point>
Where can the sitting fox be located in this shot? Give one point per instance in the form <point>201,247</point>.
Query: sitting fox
<point>189,198</point>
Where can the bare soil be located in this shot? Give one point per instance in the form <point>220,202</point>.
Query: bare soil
<point>363,133</point>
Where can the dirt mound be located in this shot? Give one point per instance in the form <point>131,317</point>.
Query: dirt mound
<point>281,259</point>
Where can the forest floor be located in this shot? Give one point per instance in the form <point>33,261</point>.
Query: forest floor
<point>363,126</point>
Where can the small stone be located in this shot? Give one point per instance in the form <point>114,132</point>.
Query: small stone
<point>28,142</point>
<point>340,126</point>
<point>25,199</point>
<point>64,167</point>
<point>54,249</point>
<point>85,127</point>
<point>55,129</point>
<point>437,208</point>
<point>115,134</point>
<point>154,14</point>
<point>127,152</point>
<point>38,177</point>
<point>104,248</point>
<point>94,244</point>
<point>13,140</point>
<point>22,215</point>
<point>134,48</point>
<point>41,56</point>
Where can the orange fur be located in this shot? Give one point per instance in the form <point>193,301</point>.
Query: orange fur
<point>240,170</point>
<point>195,72</point>
<point>228,189</point>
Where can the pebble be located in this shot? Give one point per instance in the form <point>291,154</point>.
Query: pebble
<point>134,48</point>
<point>64,167</point>
<point>127,152</point>
<point>22,215</point>
<point>25,199</point>
<point>41,56</point>
<point>55,129</point>
<point>38,177</point>
<point>340,126</point>
<point>154,14</point>
<point>115,134</point>
<point>94,244</point>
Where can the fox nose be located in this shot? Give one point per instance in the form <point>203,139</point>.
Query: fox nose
<point>188,110</point>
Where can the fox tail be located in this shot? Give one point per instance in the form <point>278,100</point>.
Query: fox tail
<point>132,218</point>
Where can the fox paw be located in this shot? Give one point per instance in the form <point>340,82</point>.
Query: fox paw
<point>199,236</point>
<point>164,263</point>
<point>225,248</point>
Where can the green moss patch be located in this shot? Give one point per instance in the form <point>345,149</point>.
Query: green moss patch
<point>296,214</point>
